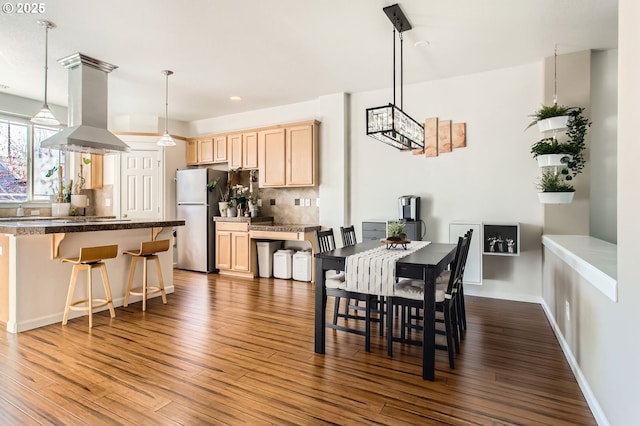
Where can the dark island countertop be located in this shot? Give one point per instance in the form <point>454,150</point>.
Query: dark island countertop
<point>64,225</point>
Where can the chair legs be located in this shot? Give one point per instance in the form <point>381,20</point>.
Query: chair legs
<point>144,290</point>
<point>91,302</point>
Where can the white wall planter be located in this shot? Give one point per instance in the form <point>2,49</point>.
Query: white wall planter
<point>555,197</point>
<point>553,123</point>
<point>550,160</point>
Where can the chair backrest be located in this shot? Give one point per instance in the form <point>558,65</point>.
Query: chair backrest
<point>464,258</point>
<point>455,278</point>
<point>348,235</point>
<point>325,240</point>
<point>148,248</point>
<point>95,254</point>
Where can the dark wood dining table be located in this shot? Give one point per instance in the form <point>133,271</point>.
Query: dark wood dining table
<point>424,264</point>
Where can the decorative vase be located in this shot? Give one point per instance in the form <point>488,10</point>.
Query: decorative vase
<point>60,209</point>
<point>232,212</point>
<point>222,206</point>
<point>553,123</point>
<point>79,200</point>
<point>555,197</point>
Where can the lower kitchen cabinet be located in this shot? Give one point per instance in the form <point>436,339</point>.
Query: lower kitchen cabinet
<point>235,255</point>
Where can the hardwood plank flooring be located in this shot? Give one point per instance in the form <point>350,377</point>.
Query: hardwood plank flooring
<point>229,351</point>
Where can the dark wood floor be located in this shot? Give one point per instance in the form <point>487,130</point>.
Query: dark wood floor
<point>228,351</point>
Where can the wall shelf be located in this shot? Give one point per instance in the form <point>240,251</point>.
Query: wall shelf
<point>501,239</point>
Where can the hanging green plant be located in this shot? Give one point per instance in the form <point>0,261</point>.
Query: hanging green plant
<point>546,111</point>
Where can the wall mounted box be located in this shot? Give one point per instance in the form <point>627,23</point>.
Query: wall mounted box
<point>501,239</point>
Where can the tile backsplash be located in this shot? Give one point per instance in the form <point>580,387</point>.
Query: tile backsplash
<point>288,205</point>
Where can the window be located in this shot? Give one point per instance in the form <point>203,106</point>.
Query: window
<point>21,179</point>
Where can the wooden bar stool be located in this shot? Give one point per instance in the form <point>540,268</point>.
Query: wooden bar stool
<point>89,259</point>
<point>148,251</point>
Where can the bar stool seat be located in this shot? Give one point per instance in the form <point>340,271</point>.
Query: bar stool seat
<point>90,258</point>
<point>148,251</point>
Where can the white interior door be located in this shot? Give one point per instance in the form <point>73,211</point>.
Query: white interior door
<point>140,185</point>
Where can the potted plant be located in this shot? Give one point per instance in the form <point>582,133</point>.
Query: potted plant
<point>554,187</point>
<point>396,231</point>
<point>554,117</point>
<point>61,204</point>
<point>77,199</point>
<point>568,154</point>
<point>224,195</point>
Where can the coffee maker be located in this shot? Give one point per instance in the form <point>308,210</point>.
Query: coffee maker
<point>409,208</point>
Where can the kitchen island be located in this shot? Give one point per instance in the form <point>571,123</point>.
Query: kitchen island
<point>33,280</point>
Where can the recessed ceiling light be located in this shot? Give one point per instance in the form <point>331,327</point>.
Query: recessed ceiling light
<point>421,43</point>
<point>3,86</point>
<point>235,98</point>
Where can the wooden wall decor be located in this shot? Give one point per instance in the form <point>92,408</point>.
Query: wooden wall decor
<point>431,137</point>
<point>459,135</point>
<point>444,136</point>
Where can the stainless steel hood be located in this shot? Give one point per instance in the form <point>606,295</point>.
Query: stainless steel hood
<point>88,115</point>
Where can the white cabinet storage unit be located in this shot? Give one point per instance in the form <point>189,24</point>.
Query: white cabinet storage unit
<point>473,270</point>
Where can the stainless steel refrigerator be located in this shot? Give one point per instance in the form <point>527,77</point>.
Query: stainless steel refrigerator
<point>196,241</point>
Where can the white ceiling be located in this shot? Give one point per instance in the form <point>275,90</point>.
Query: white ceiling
<point>275,52</point>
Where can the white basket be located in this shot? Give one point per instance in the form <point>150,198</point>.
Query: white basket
<point>302,266</point>
<point>282,264</point>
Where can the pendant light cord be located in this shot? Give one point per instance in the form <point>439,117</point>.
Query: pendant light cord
<point>555,74</point>
<point>46,60</point>
<point>166,103</point>
<point>394,65</point>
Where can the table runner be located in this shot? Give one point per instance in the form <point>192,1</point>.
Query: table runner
<point>374,271</point>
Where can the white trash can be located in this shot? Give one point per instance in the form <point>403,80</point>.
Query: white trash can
<point>265,251</point>
<point>282,264</point>
<point>302,266</point>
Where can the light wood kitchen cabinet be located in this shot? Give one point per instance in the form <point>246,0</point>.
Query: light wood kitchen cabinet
<point>250,150</point>
<point>234,147</point>
<point>192,152</point>
<point>288,156</point>
<point>96,177</point>
<point>205,151</point>
<point>220,149</point>
<point>235,255</point>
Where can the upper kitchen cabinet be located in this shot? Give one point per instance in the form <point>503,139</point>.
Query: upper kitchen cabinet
<point>192,152</point>
<point>250,150</point>
<point>288,156</point>
<point>234,150</point>
<point>205,151</point>
<point>243,150</point>
<point>220,149</point>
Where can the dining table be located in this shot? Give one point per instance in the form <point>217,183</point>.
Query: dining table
<point>424,264</point>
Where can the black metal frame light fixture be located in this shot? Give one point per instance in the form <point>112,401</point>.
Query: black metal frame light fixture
<point>389,123</point>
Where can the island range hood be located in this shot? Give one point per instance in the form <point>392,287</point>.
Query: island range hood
<point>88,115</point>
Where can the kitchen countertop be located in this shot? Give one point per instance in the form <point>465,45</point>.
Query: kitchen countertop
<point>284,227</point>
<point>75,224</point>
<point>243,219</point>
<point>32,218</point>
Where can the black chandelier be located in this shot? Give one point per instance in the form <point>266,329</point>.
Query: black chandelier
<point>389,123</point>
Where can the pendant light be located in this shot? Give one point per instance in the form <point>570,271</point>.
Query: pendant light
<point>166,139</point>
<point>389,123</point>
<point>45,116</point>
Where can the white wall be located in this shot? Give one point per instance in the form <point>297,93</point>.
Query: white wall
<point>603,145</point>
<point>491,180</point>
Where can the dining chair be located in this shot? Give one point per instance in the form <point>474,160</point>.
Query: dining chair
<point>442,281</point>
<point>336,287</point>
<point>409,294</point>
<point>348,234</point>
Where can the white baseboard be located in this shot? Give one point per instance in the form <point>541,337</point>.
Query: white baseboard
<point>596,410</point>
<point>469,291</point>
<point>32,323</point>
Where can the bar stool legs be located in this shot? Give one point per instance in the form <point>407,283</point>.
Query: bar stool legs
<point>90,258</point>
<point>148,251</point>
